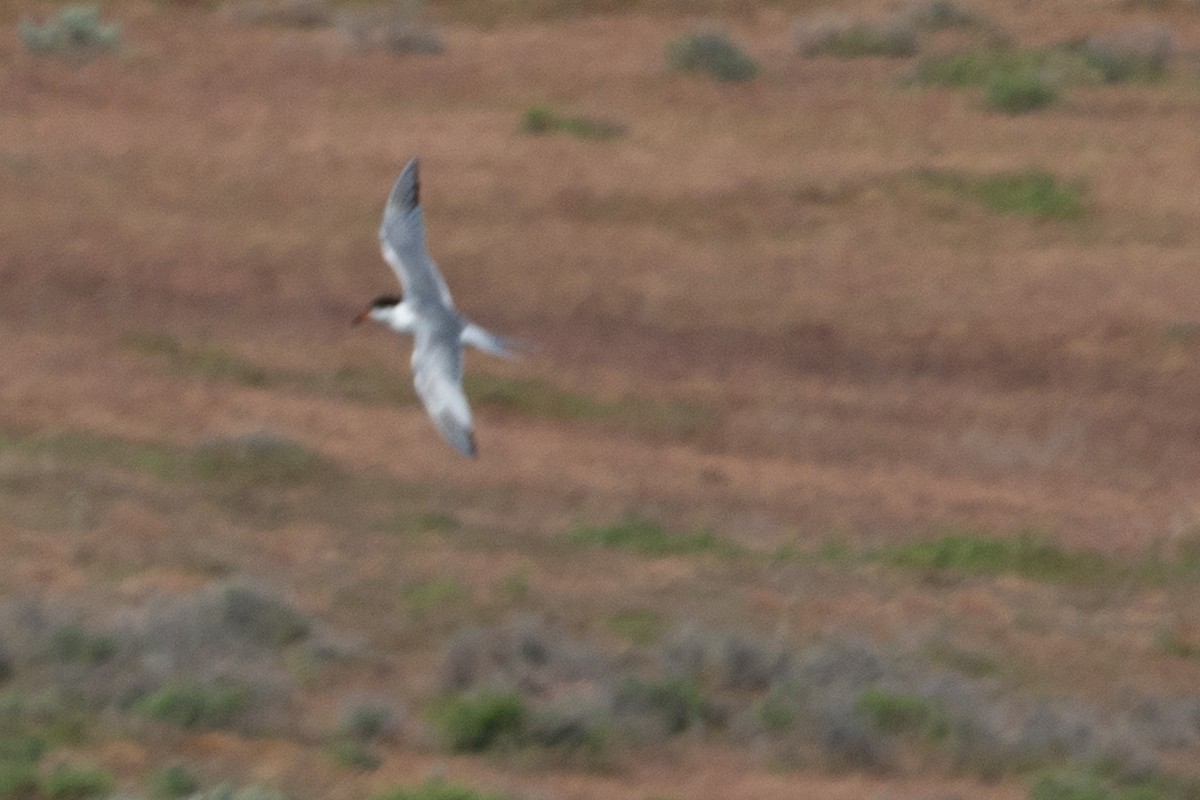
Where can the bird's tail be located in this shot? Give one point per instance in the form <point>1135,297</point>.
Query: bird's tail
<point>488,342</point>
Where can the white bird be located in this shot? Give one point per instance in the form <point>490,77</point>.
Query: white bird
<point>427,312</point>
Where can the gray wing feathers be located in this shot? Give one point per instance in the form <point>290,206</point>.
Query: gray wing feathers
<point>402,239</point>
<point>437,375</point>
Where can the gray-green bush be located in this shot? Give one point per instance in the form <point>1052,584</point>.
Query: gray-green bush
<point>712,53</point>
<point>76,33</point>
<point>844,38</point>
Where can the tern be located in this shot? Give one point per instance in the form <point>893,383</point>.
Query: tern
<point>426,311</point>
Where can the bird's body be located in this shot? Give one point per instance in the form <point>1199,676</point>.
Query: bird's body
<point>427,312</point>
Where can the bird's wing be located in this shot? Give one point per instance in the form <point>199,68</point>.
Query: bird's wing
<point>437,364</point>
<point>402,239</point>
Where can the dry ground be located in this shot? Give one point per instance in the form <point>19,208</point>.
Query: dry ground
<point>868,358</point>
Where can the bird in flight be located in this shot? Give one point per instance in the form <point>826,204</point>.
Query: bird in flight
<point>427,312</point>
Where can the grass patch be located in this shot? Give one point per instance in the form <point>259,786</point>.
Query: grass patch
<point>80,448</point>
<point>438,790</point>
<point>1020,92</point>
<point>258,459</point>
<point>1097,784</point>
<point>980,66</point>
<point>713,54</point>
<point>201,361</point>
<point>18,780</point>
<point>976,68</point>
<point>70,782</point>
<point>540,120</point>
<point>380,386</point>
<point>968,662</point>
<point>1033,193</point>
<point>424,597</point>
<point>1027,555</point>
<point>641,626</point>
<point>174,781</point>
<point>191,704</point>
<point>897,713</point>
<point>1170,643</point>
<point>648,538</point>
<point>253,460</point>
<point>472,723</point>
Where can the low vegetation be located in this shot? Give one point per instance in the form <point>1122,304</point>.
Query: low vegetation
<point>714,54</point>
<point>541,120</point>
<point>648,538</point>
<point>516,395</point>
<point>1027,555</point>
<point>76,34</point>
<point>842,37</point>
<point>470,723</point>
<point>1034,192</point>
<point>438,790</point>
<point>173,781</point>
<point>1020,92</point>
<point>72,782</point>
<point>1142,53</point>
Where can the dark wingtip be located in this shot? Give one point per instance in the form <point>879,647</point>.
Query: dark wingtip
<point>416,166</point>
<point>473,451</point>
<point>406,192</point>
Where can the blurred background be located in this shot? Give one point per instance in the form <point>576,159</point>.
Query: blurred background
<point>857,457</point>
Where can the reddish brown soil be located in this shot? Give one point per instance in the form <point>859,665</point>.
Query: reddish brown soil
<point>881,360</point>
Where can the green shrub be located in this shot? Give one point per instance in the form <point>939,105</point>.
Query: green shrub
<point>191,704</point>
<point>69,782</point>
<point>714,54</point>
<point>647,537</point>
<point>1020,91</point>
<point>896,712</point>
<point>172,782</point>
<point>76,33</point>
<point>471,723</point>
<point>437,790</point>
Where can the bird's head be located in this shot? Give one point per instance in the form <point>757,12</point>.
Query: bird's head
<point>378,310</point>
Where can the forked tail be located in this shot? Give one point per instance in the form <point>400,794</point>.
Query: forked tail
<point>488,342</point>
